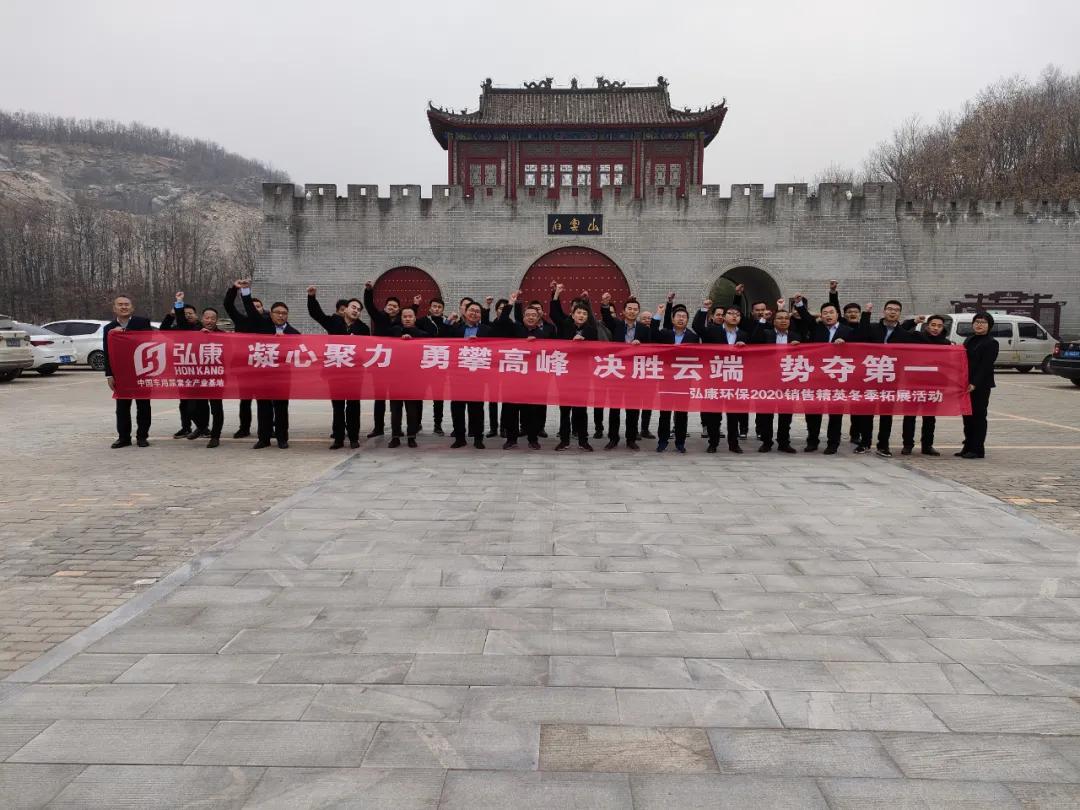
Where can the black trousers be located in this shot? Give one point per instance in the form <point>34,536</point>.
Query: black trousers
<point>437,409</point>
<point>884,431</point>
<point>475,412</point>
<point>833,433</point>
<point>577,419</point>
<point>645,420</point>
<point>663,430</point>
<point>737,423</point>
<point>208,415</point>
<point>614,419</point>
<point>411,407</point>
<point>379,412</point>
<point>273,419</point>
<point>763,423</point>
<point>185,414</point>
<point>524,419</point>
<point>346,419</point>
<point>929,423</point>
<point>862,429</point>
<point>123,419</point>
<point>975,425</point>
<point>598,419</point>
<point>493,415</point>
<point>712,422</point>
<point>245,415</point>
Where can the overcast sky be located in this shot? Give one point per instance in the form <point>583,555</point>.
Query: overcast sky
<point>336,91</point>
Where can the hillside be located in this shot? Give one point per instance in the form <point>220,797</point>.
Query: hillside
<point>99,205</point>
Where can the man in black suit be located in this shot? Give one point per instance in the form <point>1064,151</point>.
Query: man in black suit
<point>827,330</point>
<point>674,333</point>
<point>183,318</point>
<point>346,417</point>
<point>434,323</point>
<point>723,328</point>
<point>242,324</point>
<point>576,326</point>
<point>383,323</point>
<point>273,413</point>
<point>520,418</point>
<point>470,327</point>
<point>628,331</point>
<point>886,330</point>
<point>125,321</point>
<point>780,333</point>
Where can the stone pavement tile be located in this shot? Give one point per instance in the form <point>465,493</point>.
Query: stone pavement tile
<point>983,757</point>
<point>374,618</point>
<point>294,744</point>
<point>732,621</point>
<point>680,644</point>
<point>292,579</point>
<point>597,670</point>
<point>246,617</point>
<point>496,790</point>
<point>107,787</point>
<point>355,598</point>
<point>703,708</point>
<point>468,745</point>
<point>625,749</point>
<point>1019,679</point>
<point>979,627</point>
<point>14,734</point>
<point>163,640</point>
<point>232,701</point>
<point>909,650</point>
<point>495,618</point>
<point>307,640</point>
<point>1068,747</point>
<point>540,704</point>
<point>1034,796</point>
<point>338,668</point>
<point>828,566</point>
<point>716,792</point>
<point>787,583</point>
<point>115,742</point>
<point>800,647</point>
<point>90,668</point>
<point>548,642</point>
<point>220,596</point>
<point>783,752</point>
<point>492,597</point>
<point>311,788</point>
<point>976,651</point>
<point>1007,714</point>
<point>773,601</point>
<point>198,669</point>
<point>479,670</point>
<point>459,640</point>
<point>855,794</point>
<point>1043,653</point>
<point>81,701</point>
<point>612,619</point>
<point>841,710</point>
<point>759,675</point>
<point>903,678</point>
<point>27,787</point>
<point>669,600</point>
<point>830,623</point>
<point>387,702</point>
<point>884,603</point>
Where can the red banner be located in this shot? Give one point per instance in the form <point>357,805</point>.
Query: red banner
<point>807,378</point>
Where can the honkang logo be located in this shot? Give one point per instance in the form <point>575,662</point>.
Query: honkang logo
<point>149,359</point>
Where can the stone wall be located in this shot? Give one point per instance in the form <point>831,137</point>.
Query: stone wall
<point>876,246</point>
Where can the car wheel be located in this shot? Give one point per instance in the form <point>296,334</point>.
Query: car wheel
<point>8,376</point>
<point>1075,381</point>
<point>1045,366</point>
<point>96,361</point>
<point>45,371</point>
<point>1024,369</point>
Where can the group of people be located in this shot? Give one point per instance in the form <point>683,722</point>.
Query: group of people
<point>671,323</point>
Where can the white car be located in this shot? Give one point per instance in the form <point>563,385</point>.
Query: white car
<point>87,337</point>
<point>1024,342</point>
<point>50,349</point>
<point>15,353</point>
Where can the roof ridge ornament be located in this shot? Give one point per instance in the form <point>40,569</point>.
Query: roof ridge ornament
<point>607,84</point>
<point>486,85</point>
<point>543,84</point>
<point>661,82</point>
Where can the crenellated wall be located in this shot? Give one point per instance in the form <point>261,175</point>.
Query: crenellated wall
<point>877,246</point>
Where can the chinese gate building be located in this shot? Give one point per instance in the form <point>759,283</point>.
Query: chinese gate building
<point>601,188</point>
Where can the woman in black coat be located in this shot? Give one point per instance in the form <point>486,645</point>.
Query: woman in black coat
<point>982,351</point>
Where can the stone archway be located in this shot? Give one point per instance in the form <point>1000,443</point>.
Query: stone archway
<point>760,286</point>
<point>405,283</point>
<point>578,269</point>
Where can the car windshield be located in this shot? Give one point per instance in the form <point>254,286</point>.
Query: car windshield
<point>31,329</point>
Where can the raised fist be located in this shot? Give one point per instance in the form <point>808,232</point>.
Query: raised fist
<point>489,300</point>
<point>768,314</point>
<point>739,289</point>
<point>920,319</point>
<point>670,297</point>
<point>514,297</point>
<point>660,309</point>
<point>869,306</point>
<point>180,296</point>
<point>605,299</point>
<point>707,303</point>
<point>833,284</point>
<point>312,290</point>
<point>368,285</point>
<point>417,299</point>
<point>781,303</point>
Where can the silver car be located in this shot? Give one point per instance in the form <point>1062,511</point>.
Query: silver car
<point>51,350</point>
<point>15,352</point>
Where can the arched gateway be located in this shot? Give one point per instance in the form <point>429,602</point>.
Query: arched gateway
<point>760,286</point>
<point>405,283</point>
<point>578,269</point>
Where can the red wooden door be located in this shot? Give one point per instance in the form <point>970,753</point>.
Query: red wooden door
<point>406,282</point>
<point>578,269</point>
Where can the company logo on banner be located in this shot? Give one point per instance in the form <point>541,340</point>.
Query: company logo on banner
<point>150,359</point>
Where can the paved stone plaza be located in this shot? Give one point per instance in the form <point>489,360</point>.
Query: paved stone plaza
<point>474,630</point>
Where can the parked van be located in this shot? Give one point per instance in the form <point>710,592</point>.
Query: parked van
<point>1025,343</point>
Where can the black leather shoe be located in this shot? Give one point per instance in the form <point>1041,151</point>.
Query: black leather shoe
<point>120,443</point>
<point>411,441</point>
<point>458,443</point>
<point>375,433</point>
<point>354,443</point>
<point>930,451</point>
<point>830,450</point>
<point>811,448</point>
<point>960,454</point>
<point>884,452</point>
<point>787,448</point>
<point>969,455</point>
<point>632,445</point>
<point>259,445</point>
<point>534,445</point>
<point>734,448</point>
<point>612,444</point>
<point>197,434</point>
<point>438,431</point>
<point>509,445</point>
<point>241,434</point>
<point>585,446</point>
<point>765,448</point>
<point>561,446</point>
<point>680,448</point>
<point>906,450</point>
<point>337,445</point>
<point>598,433</point>
<point>542,434</point>
<point>181,433</point>
<point>142,442</point>
<point>491,434</point>
<point>394,442</point>
<point>213,443</point>
<point>711,448</point>
<point>283,445</point>
<point>479,444</point>
<point>647,435</point>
